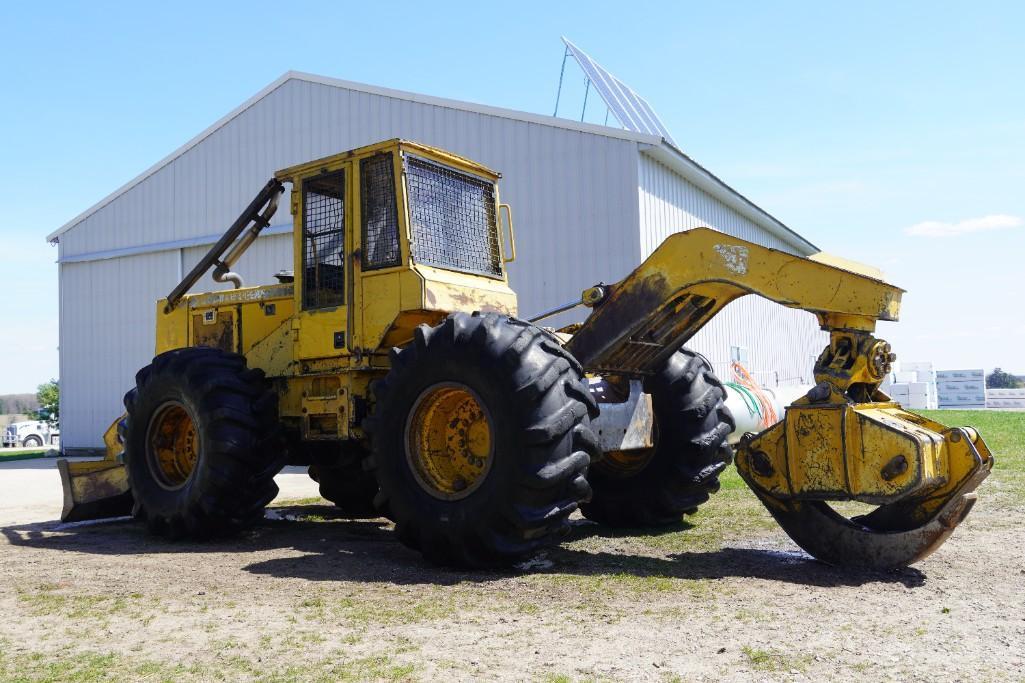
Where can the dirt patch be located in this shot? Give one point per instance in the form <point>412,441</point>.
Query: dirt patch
<point>306,596</point>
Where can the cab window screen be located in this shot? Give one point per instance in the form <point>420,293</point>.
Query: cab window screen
<point>377,208</point>
<point>452,217</point>
<point>324,241</point>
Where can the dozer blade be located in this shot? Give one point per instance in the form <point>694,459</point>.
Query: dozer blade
<point>98,488</point>
<point>921,475</point>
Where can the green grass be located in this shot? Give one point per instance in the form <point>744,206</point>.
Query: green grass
<point>1004,432</point>
<point>24,455</point>
<point>315,500</point>
<point>48,599</point>
<point>733,514</point>
<point>92,667</point>
<point>363,613</point>
<point>767,660</point>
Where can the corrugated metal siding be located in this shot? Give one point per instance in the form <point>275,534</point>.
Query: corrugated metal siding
<point>107,322</point>
<point>782,343</point>
<point>265,257</point>
<point>573,195</point>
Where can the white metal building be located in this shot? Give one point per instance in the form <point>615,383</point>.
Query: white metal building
<point>590,203</point>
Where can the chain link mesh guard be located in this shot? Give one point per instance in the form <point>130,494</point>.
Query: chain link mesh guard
<point>324,241</point>
<point>453,219</point>
<point>379,217</point>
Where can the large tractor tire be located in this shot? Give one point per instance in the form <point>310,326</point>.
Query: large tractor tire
<point>338,469</point>
<point>481,440</point>
<point>201,443</point>
<point>658,486</point>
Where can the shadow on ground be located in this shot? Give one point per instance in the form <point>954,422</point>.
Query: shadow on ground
<point>367,550</point>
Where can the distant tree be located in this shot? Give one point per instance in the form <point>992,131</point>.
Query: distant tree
<point>998,379</point>
<point>48,395</point>
<point>3,407</point>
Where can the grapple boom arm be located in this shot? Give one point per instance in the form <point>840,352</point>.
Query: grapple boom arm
<point>845,439</point>
<point>690,278</point>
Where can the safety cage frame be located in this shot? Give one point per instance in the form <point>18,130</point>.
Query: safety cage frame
<point>464,247</point>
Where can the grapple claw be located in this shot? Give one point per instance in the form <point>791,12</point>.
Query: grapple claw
<point>885,539</point>
<point>845,452</point>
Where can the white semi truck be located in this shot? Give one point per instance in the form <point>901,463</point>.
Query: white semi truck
<point>30,434</point>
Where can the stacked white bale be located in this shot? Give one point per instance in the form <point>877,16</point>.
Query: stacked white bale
<point>918,396</point>
<point>963,389</point>
<point>1005,399</point>
<point>924,374</point>
<point>913,385</point>
<point>899,392</point>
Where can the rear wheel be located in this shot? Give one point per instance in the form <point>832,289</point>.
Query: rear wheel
<point>338,468</point>
<point>657,486</point>
<point>201,443</point>
<point>32,442</point>
<point>481,440</point>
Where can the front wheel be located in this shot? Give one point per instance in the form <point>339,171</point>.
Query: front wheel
<point>32,442</point>
<point>201,443</point>
<point>481,440</point>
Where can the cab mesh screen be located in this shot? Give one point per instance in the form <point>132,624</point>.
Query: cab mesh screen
<point>452,216</point>
<point>324,240</point>
<point>380,222</point>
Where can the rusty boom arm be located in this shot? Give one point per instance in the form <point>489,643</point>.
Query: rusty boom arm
<point>844,440</point>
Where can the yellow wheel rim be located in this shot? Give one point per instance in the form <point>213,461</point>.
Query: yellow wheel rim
<point>449,441</point>
<point>172,445</point>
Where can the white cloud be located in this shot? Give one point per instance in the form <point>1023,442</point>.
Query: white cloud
<point>970,225</point>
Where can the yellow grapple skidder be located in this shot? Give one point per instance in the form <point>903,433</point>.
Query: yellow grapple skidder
<point>391,361</point>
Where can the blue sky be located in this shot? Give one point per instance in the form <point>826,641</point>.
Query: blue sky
<point>891,133</point>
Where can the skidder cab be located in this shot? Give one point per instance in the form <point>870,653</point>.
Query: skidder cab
<point>389,360</point>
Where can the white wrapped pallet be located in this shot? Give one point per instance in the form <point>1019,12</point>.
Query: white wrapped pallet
<point>916,402</point>
<point>961,399</point>
<point>1006,393</point>
<point>898,390</point>
<point>961,386</point>
<point>916,366</point>
<point>1005,403</point>
<point>961,375</point>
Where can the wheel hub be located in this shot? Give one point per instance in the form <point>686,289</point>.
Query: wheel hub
<point>172,445</point>
<point>630,463</point>
<point>449,441</point>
